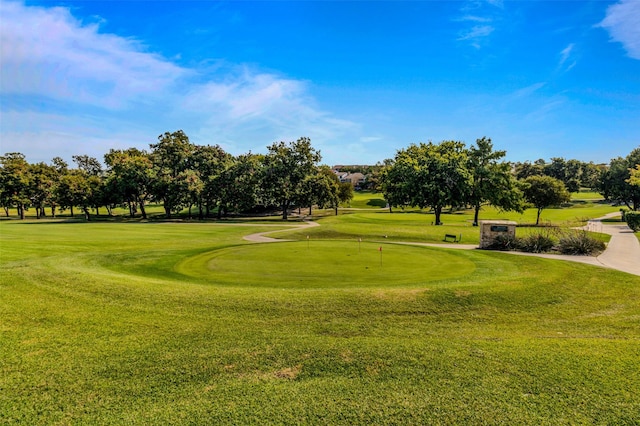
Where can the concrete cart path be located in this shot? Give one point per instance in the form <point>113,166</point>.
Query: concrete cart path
<point>623,250</point>
<point>261,237</point>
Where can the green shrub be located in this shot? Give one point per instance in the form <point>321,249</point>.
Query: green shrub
<point>504,243</point>
<point>580,242</point>
<point>633,220</point>
<point>623,213</point>
<point>537,243</point>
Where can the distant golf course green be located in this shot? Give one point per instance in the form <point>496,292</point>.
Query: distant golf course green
<point>187,323</point>
<point>326,264</point>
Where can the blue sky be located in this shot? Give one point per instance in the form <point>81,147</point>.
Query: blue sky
<point>362,79</point>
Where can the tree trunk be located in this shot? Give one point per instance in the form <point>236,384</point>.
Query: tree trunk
<point>21,211</point>
<point>220,211</point>
<point>97,211</point>
<point>37,212</point>
<point>336,209</point>
<point>538,217</point>
<point>53,211</point>
<point>309,210</point>
<point>109,210</point>
<point>200,215</point>
<point>87,213</point>
<point>6,211</point>
<point>476,214</point>
<point>43,212</point>
<point>438,211</point>
<point>130,208</point>
<point>143,211</point>
<point>71,209</point>
<point>167,211</point>
<point>285,208</point>
<point>189,211</point>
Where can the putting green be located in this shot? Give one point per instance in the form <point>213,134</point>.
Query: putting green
<point>326,264</point>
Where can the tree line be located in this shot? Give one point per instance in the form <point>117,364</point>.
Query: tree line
<point>181,175</point>
<point>450,175</point>
<point>177,174</point>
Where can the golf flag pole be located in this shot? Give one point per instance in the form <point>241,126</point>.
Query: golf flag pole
<point>380,250</point>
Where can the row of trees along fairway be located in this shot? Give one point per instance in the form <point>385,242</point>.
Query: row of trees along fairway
<point>449,174</point>
<point>177,174</point>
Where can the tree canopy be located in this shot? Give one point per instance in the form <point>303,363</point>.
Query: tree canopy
<point>543,192</point>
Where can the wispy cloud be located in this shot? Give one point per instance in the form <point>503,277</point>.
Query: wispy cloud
<point>565,58</point>
<point>527,91</point>
<point>623,23</point>
<point>481,19</point>
<point>477,31</point>
<point>50,58</point>
<point>474,18</point>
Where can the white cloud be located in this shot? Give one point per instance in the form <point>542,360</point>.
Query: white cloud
<point>48,52</point>
<point>476,33</point>
<point>527,91</point>
<point>623,23</point>
<point>474,18</point>
<point>565,53</point>
<point>50,58</point>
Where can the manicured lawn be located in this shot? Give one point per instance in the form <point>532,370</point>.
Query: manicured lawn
<point>162,323</point>
<point>416,225</point>
<point>367,200</point>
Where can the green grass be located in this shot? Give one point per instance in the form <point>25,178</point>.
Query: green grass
<point>313,264</point>
<point>367,200</point>
<point>416,225</point>
<point>161,323</point>
<point>586,195</point>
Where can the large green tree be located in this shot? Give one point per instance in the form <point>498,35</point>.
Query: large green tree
<point>238,184</point>
<point>130,177</point>
<point>15,182</point>
<point>77,188</point>
<point>170,158</point>
<point>634,176</point>
<point>544,191</point>
<point>429,175</point>
<point>286,166</point>
<point>42,184</point>
<point>491,180</point>
<point>324,189</point>
<point>614,182</point>
<point>208,163</point>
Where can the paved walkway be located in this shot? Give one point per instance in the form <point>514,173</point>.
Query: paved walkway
<point>622,252</point>
<point>261,237</point>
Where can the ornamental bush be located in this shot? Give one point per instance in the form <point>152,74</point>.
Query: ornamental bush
<point>537,243</point>
<point>504,243</point>
<point>633,220</point>
<point>579,242</point>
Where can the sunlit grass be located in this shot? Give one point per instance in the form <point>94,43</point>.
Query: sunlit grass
<point>153,323</point>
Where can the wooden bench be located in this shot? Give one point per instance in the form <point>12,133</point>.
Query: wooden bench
<point>453,237</point>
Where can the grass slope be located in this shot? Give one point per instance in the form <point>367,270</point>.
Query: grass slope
<point>152,323</point>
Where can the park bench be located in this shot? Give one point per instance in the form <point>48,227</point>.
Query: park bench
<point>452,237</point>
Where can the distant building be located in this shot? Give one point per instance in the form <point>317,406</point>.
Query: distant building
<point>355,179</point>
